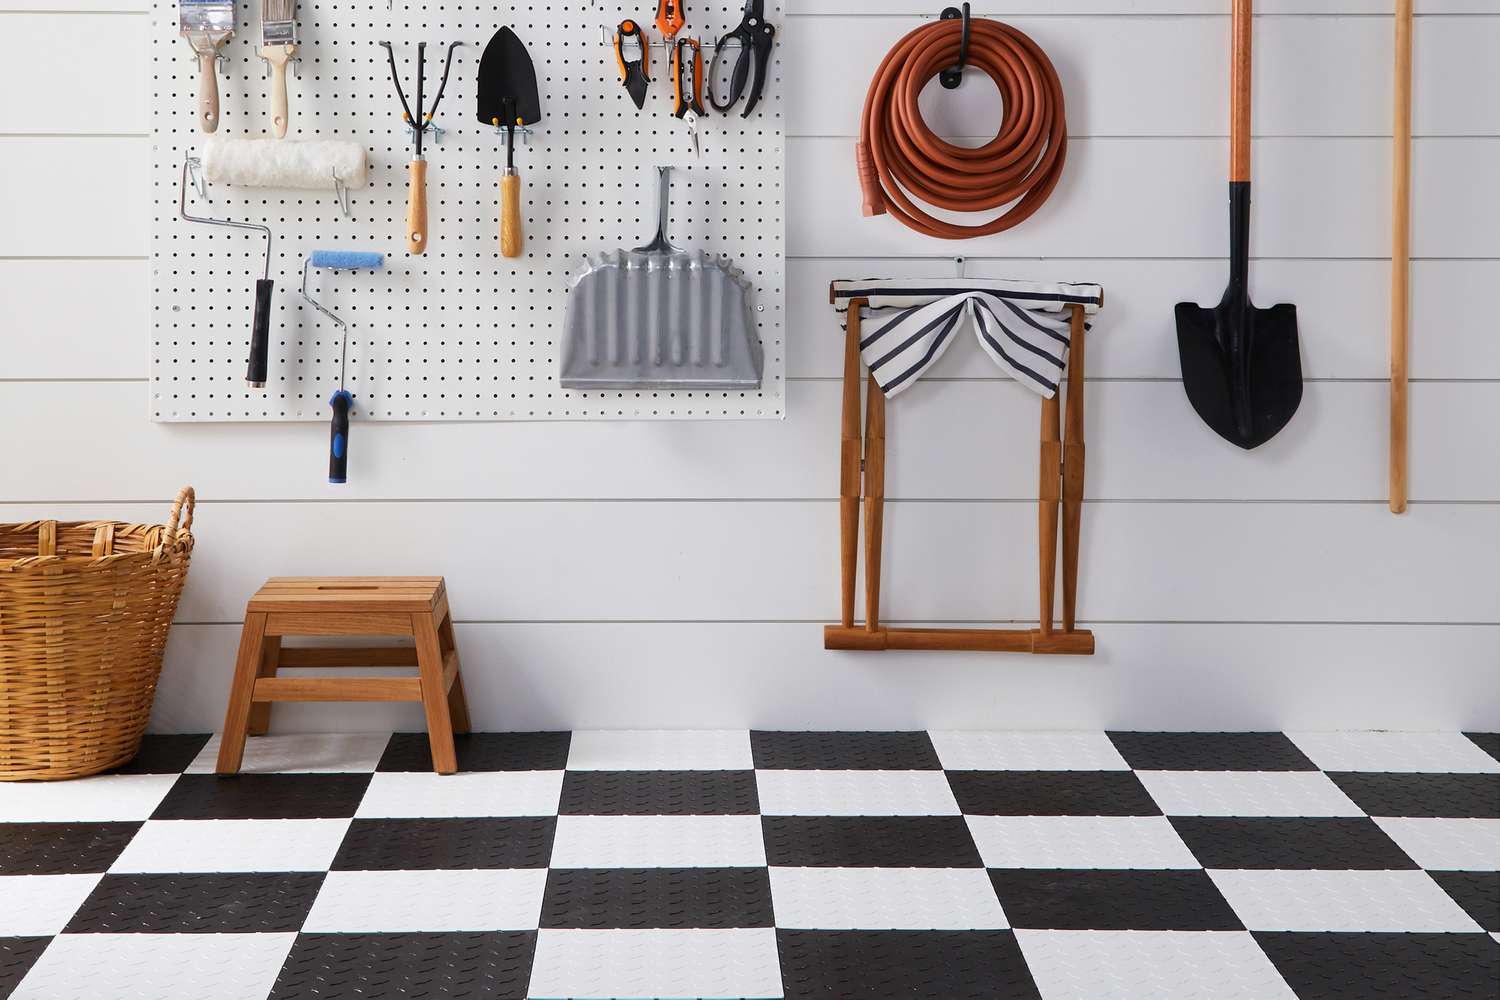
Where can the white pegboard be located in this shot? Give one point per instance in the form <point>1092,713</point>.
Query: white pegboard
<point>459,333</point>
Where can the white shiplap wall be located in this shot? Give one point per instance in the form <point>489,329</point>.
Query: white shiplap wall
<point>648,574</point>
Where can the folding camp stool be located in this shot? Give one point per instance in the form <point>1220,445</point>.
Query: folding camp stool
<point>415,606</point>
<point>862,481</point>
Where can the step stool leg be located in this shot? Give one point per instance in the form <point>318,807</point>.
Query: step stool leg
<point>458,703</point>
<point>237,716</point>
<point>260,711</point>
<point>434,693</point>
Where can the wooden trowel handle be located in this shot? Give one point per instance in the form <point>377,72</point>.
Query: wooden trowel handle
<point>1239,93</point>
<point>208,88</point>
<point>416,208</point>
<point>511,237</point>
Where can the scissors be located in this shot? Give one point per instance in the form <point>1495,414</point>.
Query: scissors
<point>754,38</point>
<point>687,84</point>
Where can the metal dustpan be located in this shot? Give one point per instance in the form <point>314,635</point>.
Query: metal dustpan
<point>660,318</point>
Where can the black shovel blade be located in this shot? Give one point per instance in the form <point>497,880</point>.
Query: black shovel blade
<point>1241,367</point>
<point>507,83</point>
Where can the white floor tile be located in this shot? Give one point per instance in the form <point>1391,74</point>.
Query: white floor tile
<point>1161,965</point>
<point>1247,793</point>
<point>38,905</point>
<point>855,793</point>
<point>478,900</point>
<point>1350,901</point>
<point>1039,751</point>
<point>628,964</point>
<point>101,799</point>
<point>1385,751</point>
<point>157,967</point>
<point>471,793</point>
<point>660,750</point>
<point>886,899</point>
<point>300,752</point>
<point>233,845</point>
<point>658,842</point>
<point>1079,842</point>
<point>1471,845</point>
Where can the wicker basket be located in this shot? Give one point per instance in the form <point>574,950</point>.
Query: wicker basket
<point>84,613</point>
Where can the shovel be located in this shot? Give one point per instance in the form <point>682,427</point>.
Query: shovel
<point>1240,363</point>
<point>508,97</point>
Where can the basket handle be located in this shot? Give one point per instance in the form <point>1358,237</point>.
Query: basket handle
<point>185,499</point>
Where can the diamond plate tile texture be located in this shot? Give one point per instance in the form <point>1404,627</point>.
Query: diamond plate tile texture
<point>1042,751</point>
<point>105,798</point>
<point>1395,752</point>
<point>481,752</point>
<point>658,842</point>
<point>886,899</point>
<point>407,844</point>
<point>319,753</point>
<point>1477,892</point>
<point>1113,900</point>
<point>395,794</point>
<point>629,964</point>
<point>1247,793</point>
<point>855,793</point>
<point>247,903</point>
<point>869,842</point>
<point>156,967</point>
<point>902,751</point>
<point>1079,842</point>
<point>17,956</point>
<point>1381,966</point>
<point>62,848</point>
<point>1447,844</point>
<point>1341,901</point>
<point>476,899</point>
<point>467,966</point>
<point>1229,842</point>
<point>1474,796</point>
<point>263,796</point>
<point>679,898</point>
<point>1052,793</point>
<point>1211,752</point>
<point>922,965</point>
<point>222,845</point>
<point>661,750</point>
<point>1162,965</point>
<point>659,793</point>
<point>32,905</point>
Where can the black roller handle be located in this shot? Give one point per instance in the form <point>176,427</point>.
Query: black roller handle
<point>255,373</point>
<point>338,438</point>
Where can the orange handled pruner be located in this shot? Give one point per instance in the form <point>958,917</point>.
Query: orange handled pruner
<point>671,15</point>
<point>687,85</point>
<point>634,73</point>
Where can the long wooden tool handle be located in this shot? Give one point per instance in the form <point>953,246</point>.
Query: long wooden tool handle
<point>416,208</point>
<point>874,499</point>
<point>277,56</point>
<point>1072,471</point>
<point>511,236</point>
<point>850,473</point>
<point>1400,253</point>
<point>208,89</point>
<point>1239,93</point>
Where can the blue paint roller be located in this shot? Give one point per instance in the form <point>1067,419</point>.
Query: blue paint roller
<point>341,401</point>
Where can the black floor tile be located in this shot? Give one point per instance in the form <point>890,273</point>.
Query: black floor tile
<point>481,752</point>
<point>1488,742</point>
<point>1051,793</point>
<point>869,842</point>
<point>453,966</point>
<point>1210,752</point>
<point>1378,966</point>
<point>1477,892</point>
<point>798,751</point>
<point>167,754</point>
<point>17,956</point>
<point>1342,844</point>
<point>429,844</point>
<point>659,793</point>
<point>263,796</point>
<point>657,897</point>
<point>1458,795</point>
<point>912,965</point>
<point>172,904</point>
<point>62,848</point>
<point>1113,900</point>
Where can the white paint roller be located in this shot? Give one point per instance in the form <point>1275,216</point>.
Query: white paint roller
<point>302,164</point>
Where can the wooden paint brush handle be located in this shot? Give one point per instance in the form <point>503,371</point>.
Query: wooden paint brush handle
<point>511,236</point>
<point>1400,255</point>
<point>416,208</point>
<point>277,56</point>
<point>1239,93</point>
<point>208,89</point>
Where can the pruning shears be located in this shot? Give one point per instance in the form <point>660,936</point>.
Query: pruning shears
<point>754,38</point>
<point>687,85</point>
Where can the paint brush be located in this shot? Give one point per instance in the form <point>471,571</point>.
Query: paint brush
<point>278,43</point>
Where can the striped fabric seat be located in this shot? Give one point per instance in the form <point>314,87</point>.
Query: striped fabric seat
<point>1022,325</point>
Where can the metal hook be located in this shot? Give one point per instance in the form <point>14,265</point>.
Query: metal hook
<point>341,191</point>
<point>958,266</point>
<point>200,184</point>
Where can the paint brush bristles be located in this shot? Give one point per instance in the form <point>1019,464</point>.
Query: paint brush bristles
<point>278,22</point>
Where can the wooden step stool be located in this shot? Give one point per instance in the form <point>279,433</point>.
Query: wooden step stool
<point>350,606</point>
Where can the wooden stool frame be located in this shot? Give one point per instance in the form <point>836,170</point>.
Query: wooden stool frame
<point>347,606</point>
<point>862,483</point>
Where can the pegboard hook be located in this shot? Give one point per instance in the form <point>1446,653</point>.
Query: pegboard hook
<point>341,191</point>
<point>951,77</point>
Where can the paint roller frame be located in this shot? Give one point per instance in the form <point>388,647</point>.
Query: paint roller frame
<point>342,401</point>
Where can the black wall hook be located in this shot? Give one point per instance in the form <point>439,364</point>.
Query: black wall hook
<point>951,77</point>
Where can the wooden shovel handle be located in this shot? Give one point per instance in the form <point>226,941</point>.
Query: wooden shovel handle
<point>208,88</point>
<point>511,236</point>
<point>416,208</point>
<point>1239,93</point>
<point>1400,254</point>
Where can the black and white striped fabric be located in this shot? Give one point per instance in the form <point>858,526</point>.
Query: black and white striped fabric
<point>1022,325</point>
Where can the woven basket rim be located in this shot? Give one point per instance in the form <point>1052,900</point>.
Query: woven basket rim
<point>181,544</point>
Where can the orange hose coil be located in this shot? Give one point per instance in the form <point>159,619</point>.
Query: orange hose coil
<point>901,159</point>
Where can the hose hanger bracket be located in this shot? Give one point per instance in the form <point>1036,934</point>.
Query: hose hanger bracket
<point>951,77</point>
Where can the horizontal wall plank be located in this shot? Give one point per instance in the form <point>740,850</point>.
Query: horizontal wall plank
<point>85,197</point>
<point>1165,198</point>
<point>1341,314</point>
<point>684,675</point>
<point>1264,9</point>
<point>775,561</point>
<point>965,440</point>
<point>828,62</point>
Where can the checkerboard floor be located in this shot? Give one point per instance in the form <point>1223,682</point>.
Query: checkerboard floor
<point>762,864</point>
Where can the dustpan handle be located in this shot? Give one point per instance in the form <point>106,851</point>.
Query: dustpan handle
<point>663,195</point>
